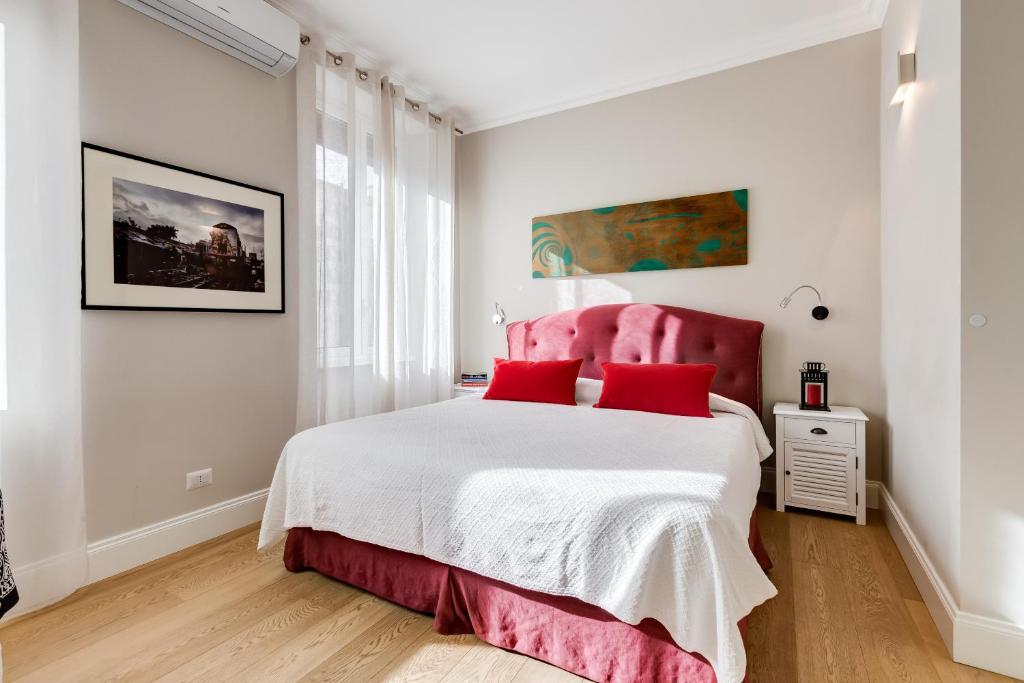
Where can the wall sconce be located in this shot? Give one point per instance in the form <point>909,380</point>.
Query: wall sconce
<point>499,314</point>
<point>819,312</point>
<point>907,70</point>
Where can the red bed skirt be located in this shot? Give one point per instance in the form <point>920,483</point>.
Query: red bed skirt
<point>562,631</point>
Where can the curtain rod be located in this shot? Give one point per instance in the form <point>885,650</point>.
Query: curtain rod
<point>364,74</point>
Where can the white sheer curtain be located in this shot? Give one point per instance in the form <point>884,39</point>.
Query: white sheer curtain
<point>376,245</point>
<point>40,430</point>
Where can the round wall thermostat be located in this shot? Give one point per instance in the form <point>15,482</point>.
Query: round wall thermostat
<point>977,320</point>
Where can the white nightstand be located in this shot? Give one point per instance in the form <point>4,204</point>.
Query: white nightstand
<point>819,459</point>
<point>459,390</point>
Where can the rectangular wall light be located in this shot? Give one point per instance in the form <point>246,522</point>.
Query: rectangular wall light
<point>907,69</point>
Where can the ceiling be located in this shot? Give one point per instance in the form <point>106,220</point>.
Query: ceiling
<point>492,63</point>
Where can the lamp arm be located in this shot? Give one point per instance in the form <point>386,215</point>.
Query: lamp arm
<point>785,301</point>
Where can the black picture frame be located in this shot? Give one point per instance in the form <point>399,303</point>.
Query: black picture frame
<point>279,196</point>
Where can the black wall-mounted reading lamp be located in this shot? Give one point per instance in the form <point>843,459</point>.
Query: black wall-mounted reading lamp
<point>819,312</point>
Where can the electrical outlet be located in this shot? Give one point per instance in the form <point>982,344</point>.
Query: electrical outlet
<point>198,479</point>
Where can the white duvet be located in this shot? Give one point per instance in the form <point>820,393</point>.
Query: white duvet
<point>641,514</point>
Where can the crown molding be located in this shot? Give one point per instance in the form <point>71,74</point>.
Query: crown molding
<point>868,16</point>
<point>878,9</point>
<point>337,40</point>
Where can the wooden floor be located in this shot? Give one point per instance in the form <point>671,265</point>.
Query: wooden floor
<point>847,610</point>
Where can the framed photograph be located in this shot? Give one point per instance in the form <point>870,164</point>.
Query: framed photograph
<point>161,237</point>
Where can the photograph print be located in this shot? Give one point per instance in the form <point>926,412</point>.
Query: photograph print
<point>166,238</point>
<point>162,237</point>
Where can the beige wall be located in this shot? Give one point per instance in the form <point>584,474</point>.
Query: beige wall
<point>920,157</point>
<point>163,392</point>
<point>800,131</point>
<point>993,281</point>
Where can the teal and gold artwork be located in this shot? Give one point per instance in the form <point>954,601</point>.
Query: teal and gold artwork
<point>686,232</point>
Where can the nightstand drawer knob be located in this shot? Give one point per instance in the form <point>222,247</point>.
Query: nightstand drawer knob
<point>819,430</point>
<point>787,473</point>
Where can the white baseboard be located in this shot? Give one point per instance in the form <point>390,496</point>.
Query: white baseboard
<point>871,487</point>
<point>986,643</point>
<point>937,596</point>
<point>46,581</point>
<point>54,578</point>
<point>137,547</point>
<point>991,644</point>
<point>872,493</point>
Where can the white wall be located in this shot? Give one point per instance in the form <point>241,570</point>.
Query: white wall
<point>920,155</point>
<point>800,131</point>
<point>992,466</point>
<point>951,237</point>
<point>169,392</point>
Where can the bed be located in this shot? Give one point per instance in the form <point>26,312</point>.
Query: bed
<point>615,544</point>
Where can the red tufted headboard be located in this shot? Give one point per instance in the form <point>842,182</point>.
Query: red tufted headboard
<point>647,333</point>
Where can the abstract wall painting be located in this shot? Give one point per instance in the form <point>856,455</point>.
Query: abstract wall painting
<point>686,232</point>
<point>161,237</point>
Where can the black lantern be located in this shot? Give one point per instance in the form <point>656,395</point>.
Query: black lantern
<point>814,386</point>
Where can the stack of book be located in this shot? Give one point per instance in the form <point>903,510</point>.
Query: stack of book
<point>474,379</point>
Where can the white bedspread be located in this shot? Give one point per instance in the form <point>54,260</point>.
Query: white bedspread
<point>643,515</point>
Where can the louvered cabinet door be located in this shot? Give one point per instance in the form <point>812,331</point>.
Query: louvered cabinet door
<point>821,477</point>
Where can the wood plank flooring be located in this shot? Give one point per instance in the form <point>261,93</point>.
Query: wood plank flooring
<point>847,610</point>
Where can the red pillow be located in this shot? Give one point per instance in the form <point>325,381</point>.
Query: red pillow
<point>669,388</point>
<point>541,381</point>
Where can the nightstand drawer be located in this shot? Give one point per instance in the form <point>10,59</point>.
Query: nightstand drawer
<point>825,431</point>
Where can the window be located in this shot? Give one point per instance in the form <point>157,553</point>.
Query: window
<point>346,235</point>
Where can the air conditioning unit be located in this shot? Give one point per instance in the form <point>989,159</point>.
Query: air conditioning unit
<point>249,30</point>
